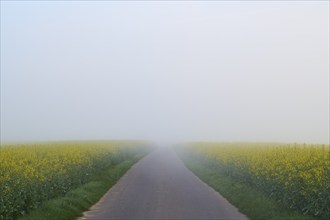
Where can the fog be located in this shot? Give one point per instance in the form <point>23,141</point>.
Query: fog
<point>165,71</point>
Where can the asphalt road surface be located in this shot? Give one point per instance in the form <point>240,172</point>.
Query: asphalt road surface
<point>160,187</point>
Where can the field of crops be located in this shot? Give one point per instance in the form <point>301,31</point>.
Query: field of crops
<point>297,176</point>
<point>31,174</point>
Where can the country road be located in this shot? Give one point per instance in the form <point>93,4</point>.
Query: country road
<point>161,187</point>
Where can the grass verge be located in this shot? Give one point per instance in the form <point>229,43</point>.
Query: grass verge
<point>253,203</point>
<point>75,202</point>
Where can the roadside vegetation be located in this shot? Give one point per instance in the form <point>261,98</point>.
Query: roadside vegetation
<point>61,180</point>
<point>266,181</point>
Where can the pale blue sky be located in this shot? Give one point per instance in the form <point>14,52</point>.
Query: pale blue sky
<point>228,71</point>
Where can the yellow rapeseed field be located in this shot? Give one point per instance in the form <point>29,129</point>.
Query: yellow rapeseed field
<point>30,174</point>
<point>297,175</point>
<point>40,163</point>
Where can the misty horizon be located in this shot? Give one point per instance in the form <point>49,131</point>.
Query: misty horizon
<point>165,71</point>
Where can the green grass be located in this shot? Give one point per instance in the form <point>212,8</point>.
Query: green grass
<point>75,202</point>
<point>251,202</point>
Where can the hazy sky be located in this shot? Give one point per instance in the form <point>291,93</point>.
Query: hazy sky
<point>227,71</point>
